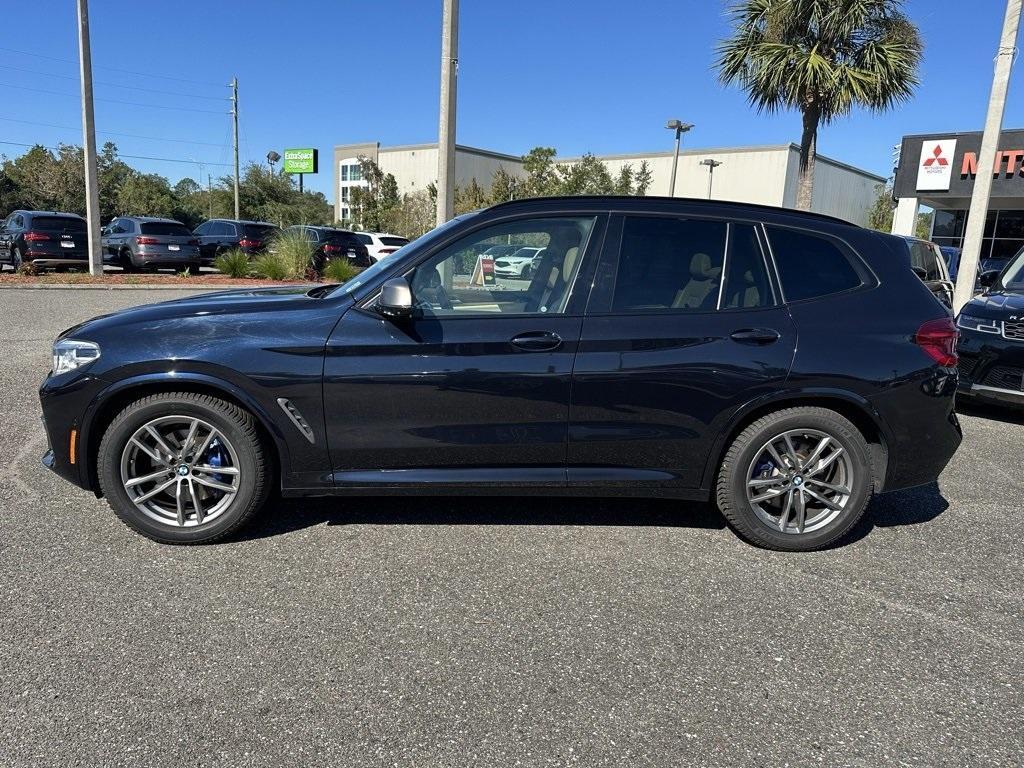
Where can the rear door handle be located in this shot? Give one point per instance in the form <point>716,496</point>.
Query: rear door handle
<point>758,336</point>
<point>537,341</point>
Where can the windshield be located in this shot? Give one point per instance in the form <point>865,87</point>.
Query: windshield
<point>1013,275</point>
<point>424,241</point>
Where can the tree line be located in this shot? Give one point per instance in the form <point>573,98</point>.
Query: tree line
<point>42,179</point>
<point>379,206</point>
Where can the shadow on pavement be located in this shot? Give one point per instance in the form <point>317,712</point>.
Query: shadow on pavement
<point>286,515</point>
<point>1005,414</point>
<point>913,506</point>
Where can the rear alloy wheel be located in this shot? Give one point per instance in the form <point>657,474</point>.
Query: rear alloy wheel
<point>183,468</point>
<point>126,262</point>
<point>796,480</point>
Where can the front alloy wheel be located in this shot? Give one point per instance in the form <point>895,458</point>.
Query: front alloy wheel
<point>183,467</point>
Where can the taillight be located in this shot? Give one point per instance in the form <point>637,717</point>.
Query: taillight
<point>386,251</point>
<point>193,242</point>
<point>938,339</point>
<point>147,241</point>
<point>35,237</point>
<point>247,243</point>
<point>332,248</point>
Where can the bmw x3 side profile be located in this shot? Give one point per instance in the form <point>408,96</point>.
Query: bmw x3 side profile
<point>783,365</point>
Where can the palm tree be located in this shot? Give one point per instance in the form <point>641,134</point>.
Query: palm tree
<point>822,57</point>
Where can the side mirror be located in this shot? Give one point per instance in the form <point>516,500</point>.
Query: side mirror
<point>395,298</point>
<point>921,272</point>
<point>989,278</point>
<point>104,231</point>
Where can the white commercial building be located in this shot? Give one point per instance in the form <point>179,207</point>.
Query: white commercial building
<point>763,174</point>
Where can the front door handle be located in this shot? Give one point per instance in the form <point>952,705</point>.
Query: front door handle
<point>757,336</point>
<point>537,341</point>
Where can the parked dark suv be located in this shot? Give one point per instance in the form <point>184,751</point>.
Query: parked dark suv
<point>787,365</point>
<point>991,346</point>
<point>44,238</point>
<point>218,236</point>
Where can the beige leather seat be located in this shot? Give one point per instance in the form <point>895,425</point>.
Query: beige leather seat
<point>701,291</point>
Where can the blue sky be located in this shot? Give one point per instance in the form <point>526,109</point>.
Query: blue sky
<point>599,77</point>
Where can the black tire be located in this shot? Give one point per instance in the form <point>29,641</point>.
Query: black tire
<point>126,262</point>
<point>237,425</point>
<point>193,269</point>
<point>732,479</point>
<point>17,259</point>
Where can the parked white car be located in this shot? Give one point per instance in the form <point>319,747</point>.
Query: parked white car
<point>519,264</point>
<point>381,244</point>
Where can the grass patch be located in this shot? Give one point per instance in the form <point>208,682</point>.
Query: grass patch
<point>340,271</point>
<point>273,267</point>
<point>234,263</point>
<point>292,247</point>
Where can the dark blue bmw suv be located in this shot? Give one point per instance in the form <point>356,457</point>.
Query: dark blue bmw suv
<point>785,365</point>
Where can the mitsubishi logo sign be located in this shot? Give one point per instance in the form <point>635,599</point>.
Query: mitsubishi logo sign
<point>936,168</point>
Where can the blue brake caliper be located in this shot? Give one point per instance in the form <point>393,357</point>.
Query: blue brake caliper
<point>215,457</point>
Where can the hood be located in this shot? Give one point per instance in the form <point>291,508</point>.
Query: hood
<point>220,303</point>
<point>997,305</point>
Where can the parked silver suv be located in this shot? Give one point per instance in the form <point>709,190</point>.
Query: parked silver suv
<point>140,242</point>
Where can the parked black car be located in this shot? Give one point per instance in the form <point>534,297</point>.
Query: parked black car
<point>333,243</point>
<point>991,345</point>
<point>146,243</point>
<point>785,364</point>
<point>44,238</point>
<point>218,236</point>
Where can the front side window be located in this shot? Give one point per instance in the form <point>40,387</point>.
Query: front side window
<point>465,280</point>
<point>810,266</point>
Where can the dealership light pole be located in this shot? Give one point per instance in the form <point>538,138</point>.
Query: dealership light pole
<point>446,125</point>
<point>711,164</point>
<point>92,182</point>
<point>975,230</point>
<point>680,128</point>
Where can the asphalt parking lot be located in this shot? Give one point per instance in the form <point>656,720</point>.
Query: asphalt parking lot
<point>505,631</point>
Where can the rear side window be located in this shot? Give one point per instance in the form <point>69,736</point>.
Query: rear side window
<point>810,266</point>
<point>58,224</point>
<point>165,228</point>
<point>746,278</point>
<point>669,264</point>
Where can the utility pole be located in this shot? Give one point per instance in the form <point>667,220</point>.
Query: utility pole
<point>446,126</point>
<point>92,182</point>
<point>975,230</point>
<point>234,116</point>
<point>209,195</point>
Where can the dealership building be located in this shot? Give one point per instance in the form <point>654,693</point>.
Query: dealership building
<point>938,171</point>
<point>760,174</point>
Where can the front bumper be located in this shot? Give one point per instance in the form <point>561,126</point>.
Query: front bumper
<point>65,402</point>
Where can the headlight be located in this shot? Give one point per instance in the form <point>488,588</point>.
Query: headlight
<point>69,354</point>
<point>983,324</point>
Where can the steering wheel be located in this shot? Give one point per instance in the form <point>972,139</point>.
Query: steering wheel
<point>428,289</point>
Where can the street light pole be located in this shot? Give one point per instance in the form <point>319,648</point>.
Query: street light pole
<point>234,133</point>
<point>446,124</point>
<point>92,182</point>
<point>680,128</point>
<point>711,164</point>
<point>975,230</point>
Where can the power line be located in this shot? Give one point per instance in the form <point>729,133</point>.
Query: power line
<point>146,89</point>
<point>114,101</point>
<point>132,157</point>
<point>112,133</point>
<point>113,69</point>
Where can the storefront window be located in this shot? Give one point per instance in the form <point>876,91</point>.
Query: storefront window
<point>948,224</point>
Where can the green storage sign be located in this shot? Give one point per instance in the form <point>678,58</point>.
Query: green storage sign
<point>301,161</point>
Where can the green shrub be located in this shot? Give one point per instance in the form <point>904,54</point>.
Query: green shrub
<point>234,263</point>
<point>273,266</point>
<point>292,247</point>
<point>340,271</point>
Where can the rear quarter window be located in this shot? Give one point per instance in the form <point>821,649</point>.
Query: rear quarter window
<point>809,265</point>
